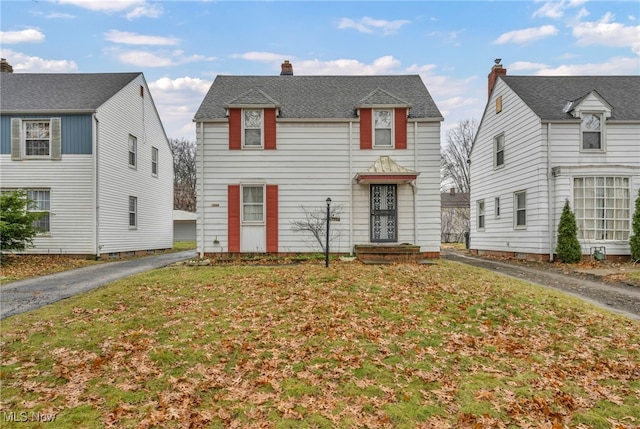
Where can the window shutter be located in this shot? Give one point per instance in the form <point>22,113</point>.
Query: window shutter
<point>235,129</point>
<point>400,128</point>
<point>270,128</point>
<point>233,217</point>
<point>16,139</point>
<point>366,141</point>
<point>272,218</point>
<point>56,139</point>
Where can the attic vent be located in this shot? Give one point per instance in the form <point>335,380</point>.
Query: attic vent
<point>567,108</point>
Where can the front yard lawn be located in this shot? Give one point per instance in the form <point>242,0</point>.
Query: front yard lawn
<point>351,345</point>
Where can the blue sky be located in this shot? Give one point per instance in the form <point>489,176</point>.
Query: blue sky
<point>181,46</point>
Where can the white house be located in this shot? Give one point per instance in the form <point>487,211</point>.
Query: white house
<point>91,151</point>
<point>544,140</point>
<point>272,149</point>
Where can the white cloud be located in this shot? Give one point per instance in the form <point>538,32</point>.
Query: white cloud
<point>371,25</point>
<point>382,65</point>
<point>23,63</point>
<point>526,65</point>
<point>263,57</point>
<point>556,9</point>
<point>103,5</point>
<point>614,66</point>
<point>133,8</point>
<point>526,35</point>
<point>21,36</point>
<point>126,37</point>
<point>141,58</point>
<point>606,32</point>
<point>177,101</point>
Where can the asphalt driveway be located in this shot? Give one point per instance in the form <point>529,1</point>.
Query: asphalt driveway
<point>24,295</point>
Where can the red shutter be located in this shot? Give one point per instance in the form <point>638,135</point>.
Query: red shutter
<point>401,128</point>
<point>233,217</point>
<point>235,129</point>
<point>365,129</point>
<point>270,128</point>
<point>272,218</point>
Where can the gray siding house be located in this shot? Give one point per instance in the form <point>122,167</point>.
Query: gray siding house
<point>91,151</point>
<point>544,140</point>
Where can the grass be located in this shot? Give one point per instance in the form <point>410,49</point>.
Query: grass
<point>307,346</point>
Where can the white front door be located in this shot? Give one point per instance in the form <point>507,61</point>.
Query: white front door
<point>253,226</point>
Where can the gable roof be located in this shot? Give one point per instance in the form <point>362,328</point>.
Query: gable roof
<point>26,92</point>
<point>548,96</point>
<point>456,200</point>
<point>320,97</point>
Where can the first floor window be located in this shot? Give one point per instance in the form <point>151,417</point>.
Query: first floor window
<point>602,207</point>
<point>253,203</point>
<point>37,138</point>
<point>520,212</point>
<point>383,125</point>
<point>480,207</point>
<point>497,206</point>
<point>252,128</point>
<point>154,161</point>
<point>133,149</point>
<point>41,203</point>
<point>133,212</point>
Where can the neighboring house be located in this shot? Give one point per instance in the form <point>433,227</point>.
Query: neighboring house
<point>271,148</point>
<point>454,208</point>
<point>184,226</point>
<point>547,139</point>
<point>91,151</point>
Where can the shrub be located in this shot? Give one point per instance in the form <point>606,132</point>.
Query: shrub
<point>568,247</point>
<point>634,240</point>
<point>16,222</point>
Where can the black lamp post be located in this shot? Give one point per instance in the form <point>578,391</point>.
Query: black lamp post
<point>326,248</point>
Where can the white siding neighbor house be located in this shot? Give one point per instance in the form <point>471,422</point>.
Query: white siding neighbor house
<point>91,151</point>
<point>273,149</point>
<point>544,140</point>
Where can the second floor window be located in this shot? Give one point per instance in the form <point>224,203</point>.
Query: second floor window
<point>383,126</point>
<point>37,138</point>
<point>154,161</point>
<point>591,131</point>
<point>498,144</point>
<point>252,128</point>
<point>133,149</point>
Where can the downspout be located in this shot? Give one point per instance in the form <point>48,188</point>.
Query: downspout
<point>96,191</point>
<point>415,185</point>
<point>550,192</point>
<point>350,189</point>
<point>202,192</point>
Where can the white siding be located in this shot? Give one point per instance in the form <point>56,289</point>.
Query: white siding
<point>129,113</point>
<point>526,168</point>
<point>71,196</point>
<point>313,162</point>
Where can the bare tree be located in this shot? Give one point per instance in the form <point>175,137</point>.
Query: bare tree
<point>454,165</point>
<point>315,224</point>
<point>184,174</point>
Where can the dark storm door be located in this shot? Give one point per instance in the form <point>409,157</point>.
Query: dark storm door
<point>384,213</point>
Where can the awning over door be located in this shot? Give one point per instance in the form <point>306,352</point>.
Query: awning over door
<point>386,170</point>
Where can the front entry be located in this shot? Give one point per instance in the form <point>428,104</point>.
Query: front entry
<point>384,213</point>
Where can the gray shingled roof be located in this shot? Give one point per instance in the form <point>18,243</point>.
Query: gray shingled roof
<point>23,92</point>
<point>547,96</point>
<point>325,97</point>
<point>457,200</point>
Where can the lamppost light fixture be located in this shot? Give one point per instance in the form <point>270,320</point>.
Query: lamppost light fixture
<point>328,201</point>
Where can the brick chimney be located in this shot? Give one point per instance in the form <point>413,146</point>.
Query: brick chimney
<point>452,191</point>
<point>496,70</point>
<point>5,67</point>
<point>287,69</point>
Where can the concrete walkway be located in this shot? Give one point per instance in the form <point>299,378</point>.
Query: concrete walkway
<point>24,295</point>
